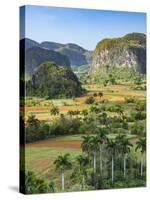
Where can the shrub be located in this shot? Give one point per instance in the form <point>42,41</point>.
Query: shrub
<point>34,185</point>
<point>100,94</point>
<point>140,105</point>
<point>138,129</point>
<point>95,95</point>
<point>90,100</point>
<point>64,126</point>
<point>36,130</point>
<point>129,100</point>
<point>139,115</point>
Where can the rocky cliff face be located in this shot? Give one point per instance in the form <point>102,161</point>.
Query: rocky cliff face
<point>128,51</point>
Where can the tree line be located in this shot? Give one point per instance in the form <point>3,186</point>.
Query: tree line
<point>99,155</point>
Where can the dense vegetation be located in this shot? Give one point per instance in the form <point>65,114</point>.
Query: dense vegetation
<point>34,185</point>
<point>89,120</point>
<point>104,163</point>
<point>129,40</point>
<point>108,158</point>
<point>106,119</point>
<point>53,81</point>
<point>36,130</point>
<point>107,75</point>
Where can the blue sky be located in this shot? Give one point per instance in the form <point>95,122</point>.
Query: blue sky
<point>81,26</point>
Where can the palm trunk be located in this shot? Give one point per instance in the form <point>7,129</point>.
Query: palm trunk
<point>124,166</point>
<point>94,162</point>
<point>62,180</point>
<point>112,169</point>
<point>83,181</point>
<point>94,166</point>
<point>142,165</point>
<point>100,159</point>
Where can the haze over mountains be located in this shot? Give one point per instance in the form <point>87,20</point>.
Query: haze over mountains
<point>63,54</point>
<point>36,55</point>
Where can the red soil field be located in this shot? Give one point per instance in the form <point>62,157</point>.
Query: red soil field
<point>73,144</point>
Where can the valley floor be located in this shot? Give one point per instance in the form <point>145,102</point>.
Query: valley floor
<point>112,93</point>
<point>40,155</point>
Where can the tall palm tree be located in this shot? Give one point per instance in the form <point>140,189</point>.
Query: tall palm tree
<point>141,144</point>
<point>103,139</point>
<point>94,145</point>
<point>86,144</point>
<point>124,147</point>
<point>111,146</point>
<point>63,163</point>
<point>83,162</point>
<point>53,111</point>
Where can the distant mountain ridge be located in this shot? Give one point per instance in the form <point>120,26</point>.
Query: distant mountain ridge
<point>127,51</point>
<point>36,55</point>
<point>27,43</point>
<point>76,54</point>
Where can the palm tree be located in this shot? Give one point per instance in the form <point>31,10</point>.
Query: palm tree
<point>90,145</point>
<point>141,144</point>
<point>63,163</point>
<point>83,162</point>
<point>86,144</point>
<point>54,110</point>
<point>94,144</point>
<point>124,146</point>
<point>112,147</point>
<point>103,139</point>
<point>100,94</point>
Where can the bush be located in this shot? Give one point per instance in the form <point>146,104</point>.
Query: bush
<point>36,130</point>
<point>90,100</point>
<point>95,95</point>
<point>138,129</point>
<point>129,100</point>
<point>139,115</point>
<point>34,185</point>
<point>64,126</point>
<point>140,105</point>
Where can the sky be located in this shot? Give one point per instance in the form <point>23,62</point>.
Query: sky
<point>85,27</point>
